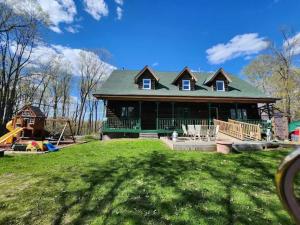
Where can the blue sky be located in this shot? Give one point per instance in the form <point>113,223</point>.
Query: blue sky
<point>171,34</point>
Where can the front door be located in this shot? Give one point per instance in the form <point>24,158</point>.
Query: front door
<point>148,116</point>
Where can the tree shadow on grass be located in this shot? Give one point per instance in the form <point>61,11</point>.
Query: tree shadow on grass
<point>159,188</point>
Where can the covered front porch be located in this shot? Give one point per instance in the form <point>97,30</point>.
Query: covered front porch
<point>165,117</point>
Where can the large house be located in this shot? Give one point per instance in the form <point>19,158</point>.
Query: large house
<point>160,102</point>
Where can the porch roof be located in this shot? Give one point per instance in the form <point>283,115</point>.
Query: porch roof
<point>121,83</point>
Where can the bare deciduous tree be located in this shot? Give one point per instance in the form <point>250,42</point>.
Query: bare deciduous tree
<point>92,70</point>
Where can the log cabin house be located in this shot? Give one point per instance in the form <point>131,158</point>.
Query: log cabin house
<point>149,101</point>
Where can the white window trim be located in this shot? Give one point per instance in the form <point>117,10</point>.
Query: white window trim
<point>220,81</point>
<point>149,84</point>
<point>184,85</point>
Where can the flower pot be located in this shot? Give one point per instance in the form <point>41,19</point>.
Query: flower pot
<point>224,146</point>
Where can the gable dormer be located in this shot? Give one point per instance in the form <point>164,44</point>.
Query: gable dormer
<point>218,81</point>
<point>186,80</point>
<point>146,79</point>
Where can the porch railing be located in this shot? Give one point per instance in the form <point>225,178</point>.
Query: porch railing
<point>264,125</point>
<point>250,131</point>
<point>120,124</point>
<point>231,129</point>
<point>170,124</point>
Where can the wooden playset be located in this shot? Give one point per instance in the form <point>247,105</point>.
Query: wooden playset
<point>27,130</point>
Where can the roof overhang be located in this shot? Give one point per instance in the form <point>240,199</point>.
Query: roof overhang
<point>186,98</point>
<point>185,69</point>
<point>143,71</point>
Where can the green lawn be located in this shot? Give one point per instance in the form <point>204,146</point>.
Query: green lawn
<point>139,182</point>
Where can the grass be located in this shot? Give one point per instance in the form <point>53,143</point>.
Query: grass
<point>140,182</point>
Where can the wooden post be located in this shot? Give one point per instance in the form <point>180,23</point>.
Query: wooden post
<point>209,113</point>
<point>269,113</point>
<point>71,131</point>
<point>173,113</point>
<point>63,130</point>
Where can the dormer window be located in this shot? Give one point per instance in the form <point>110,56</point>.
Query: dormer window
<point>219,81</point>
<point>185,80</point>
<point>146,79</point>
<point>186,85</point>
<point>220,85</point>
<point>146,84</point>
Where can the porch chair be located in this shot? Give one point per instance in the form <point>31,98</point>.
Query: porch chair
<point>191,131</point>
<point>197,131</point>
<point>204,132</point>
<point>185,133</point>
<point>213,132</point>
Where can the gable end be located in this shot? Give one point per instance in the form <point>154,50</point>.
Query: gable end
<point>185,74</point>
<point>146,73</point>
<point>220,75</point>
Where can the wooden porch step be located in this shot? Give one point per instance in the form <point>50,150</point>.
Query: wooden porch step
<point>149,135</point>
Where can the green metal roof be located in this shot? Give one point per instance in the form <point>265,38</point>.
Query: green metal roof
<point>121,82</point>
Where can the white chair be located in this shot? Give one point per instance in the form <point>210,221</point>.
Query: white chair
<point>185,133</point>
<point>213,132</point>
<point>197,131</point>
<point>191,130</point>
<point>204,132</point>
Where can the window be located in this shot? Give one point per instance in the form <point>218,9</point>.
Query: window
<point>26,113</point>
<point>127,112</point>
<point>220,86</point>
<point>232,114</point>
<point>183,112</point>
<point>186,85</point>
<point>239,114</point>
<point>147,84</point>
<point>31,121</point>
<point>244,114</point>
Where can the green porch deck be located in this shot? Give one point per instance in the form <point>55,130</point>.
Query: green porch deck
<point>163,125</point>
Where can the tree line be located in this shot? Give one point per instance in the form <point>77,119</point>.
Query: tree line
<point>48,85</point>
<point>277,73</point>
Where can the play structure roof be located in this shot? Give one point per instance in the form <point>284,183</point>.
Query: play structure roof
<point>35,110</point>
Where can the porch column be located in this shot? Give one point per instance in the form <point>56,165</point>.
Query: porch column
<point>140,113</point>
<point>157,107</point>
<point>172,113</point>
<point>269,113</point>
<point>209,113</point>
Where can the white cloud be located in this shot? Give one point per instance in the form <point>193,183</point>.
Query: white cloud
<point>293,43</point>
<point>56,11</point>
<point>119,2</point>
<point>119,13</point>
<point>155,64</point>
<point>96,8</point>
<point>42,54</point>
<point>119,9</point>
<point>72,29</point>
<point>240,45</point>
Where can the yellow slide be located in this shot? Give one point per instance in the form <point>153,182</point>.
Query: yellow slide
<point>8,138</point>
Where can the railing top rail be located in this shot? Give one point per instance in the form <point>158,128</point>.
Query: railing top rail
<point>237,121</point>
